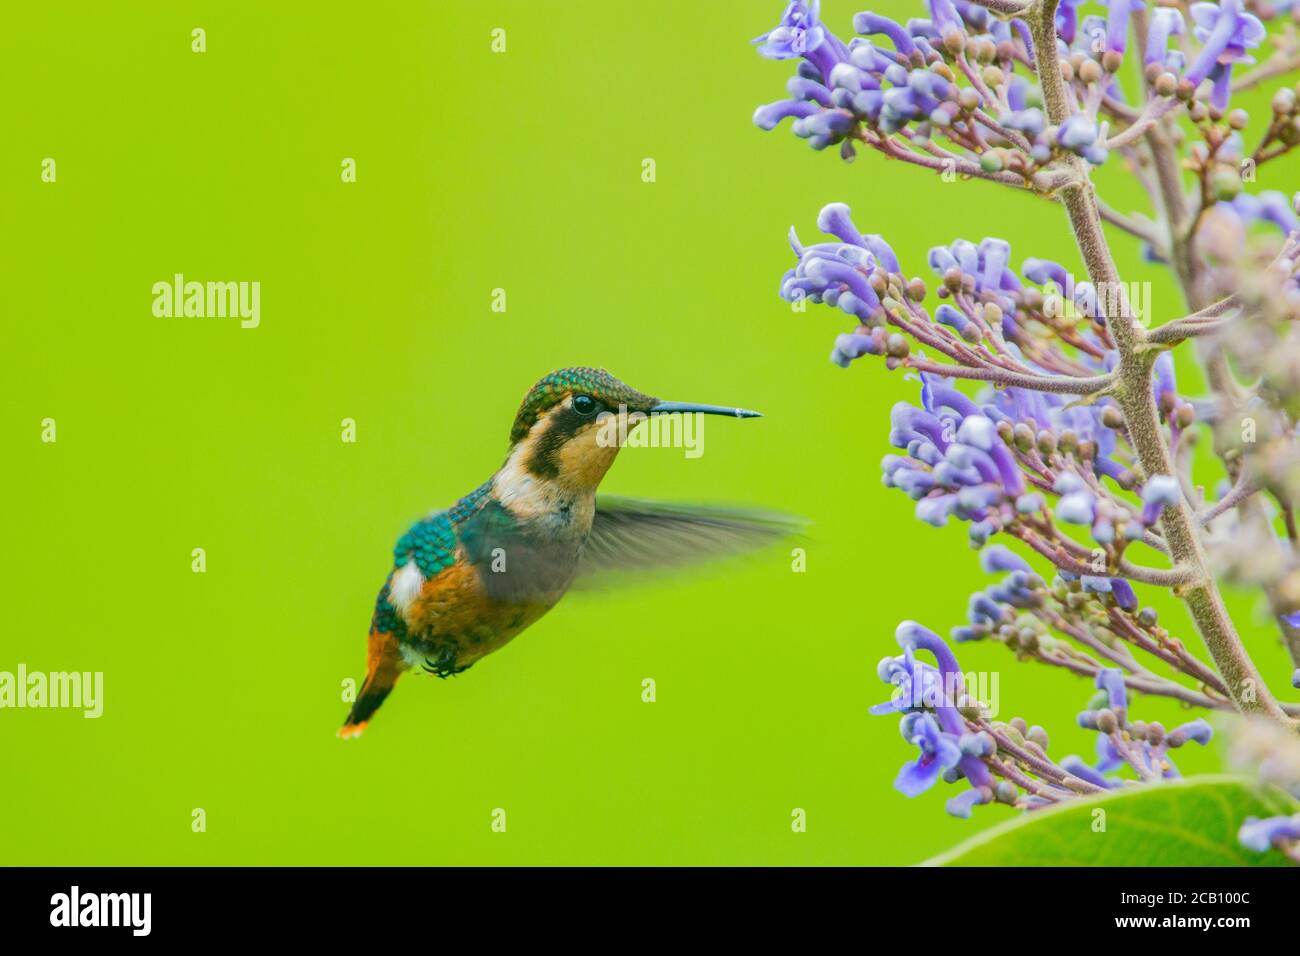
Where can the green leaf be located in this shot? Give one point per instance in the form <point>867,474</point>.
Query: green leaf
<point>1192,822</point>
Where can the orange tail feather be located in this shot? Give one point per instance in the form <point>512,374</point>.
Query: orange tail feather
<point>383,667</point>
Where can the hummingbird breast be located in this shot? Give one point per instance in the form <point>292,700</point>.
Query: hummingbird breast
<point>515,558</point>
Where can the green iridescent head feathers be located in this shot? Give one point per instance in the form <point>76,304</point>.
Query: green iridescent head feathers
<point>554,388</point>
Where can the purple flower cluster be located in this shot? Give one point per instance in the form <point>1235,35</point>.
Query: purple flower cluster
<point>956,463</point>
<point>928,697</point>
<point>919,79</point>
<point>972,461</point>
<point>984,299</point>
<point>966,76</point>
<point>1053,440</point>
<point>1008,762</point>
<point>1143,747</point>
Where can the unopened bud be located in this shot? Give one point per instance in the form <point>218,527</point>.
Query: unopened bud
<point>1107,722</point>
<point>1023,436</point>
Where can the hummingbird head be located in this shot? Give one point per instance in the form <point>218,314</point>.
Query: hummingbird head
<point>568,426</point>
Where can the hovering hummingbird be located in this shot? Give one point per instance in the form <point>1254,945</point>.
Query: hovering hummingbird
<point>467,580</point>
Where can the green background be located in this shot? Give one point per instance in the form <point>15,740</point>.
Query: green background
<point>476,171</point>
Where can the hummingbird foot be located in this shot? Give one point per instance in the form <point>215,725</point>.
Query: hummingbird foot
<point>444,665</point>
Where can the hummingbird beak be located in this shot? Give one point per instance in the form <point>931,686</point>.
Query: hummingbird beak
<point>667,408</point>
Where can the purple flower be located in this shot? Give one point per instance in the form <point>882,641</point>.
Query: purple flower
<point>797,35</point>
<point>938,752</point>
<point>770,115</point>
<point>1077,508</point>
<point>915,685</point>
<point>873,24</point>
<point>1271,207</point>
<point>1075,765</point>
<point>945,17</point>
<point>1198,731</point>
<point>1165,22</point>
<point>935,727</point>
<point>1111,680</point>
<point>1159,492</point>
<point>1067,19</point>
<point>957,464</point>
<point>1081,135</point>
<point>837,273</point>
<point>998,558</point>
<point>1123,594</point>
<point>1164,384</point>
<point>1262,835</point>
<point>1117,23</point>
<point>1226,31</point>
<point>960,806</point>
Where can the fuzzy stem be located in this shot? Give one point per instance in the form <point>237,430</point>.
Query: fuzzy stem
<point>1243,681</point>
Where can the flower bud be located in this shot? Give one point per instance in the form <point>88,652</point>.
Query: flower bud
<point>1226,183</point>
<point>1107,722</point>
<point>1023,436</point>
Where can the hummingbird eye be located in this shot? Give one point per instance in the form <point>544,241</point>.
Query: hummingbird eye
<point>584,405</point>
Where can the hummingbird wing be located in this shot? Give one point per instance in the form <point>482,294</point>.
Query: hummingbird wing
<point>633,535</point>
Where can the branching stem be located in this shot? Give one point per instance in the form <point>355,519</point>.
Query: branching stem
<point>1243,681</point>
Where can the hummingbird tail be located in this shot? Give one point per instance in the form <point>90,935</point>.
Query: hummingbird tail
<point>383,668</point>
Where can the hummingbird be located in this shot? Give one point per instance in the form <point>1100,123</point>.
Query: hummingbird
<point>467,580</point>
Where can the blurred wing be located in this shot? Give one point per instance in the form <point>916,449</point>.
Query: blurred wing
<point>630,535</point>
